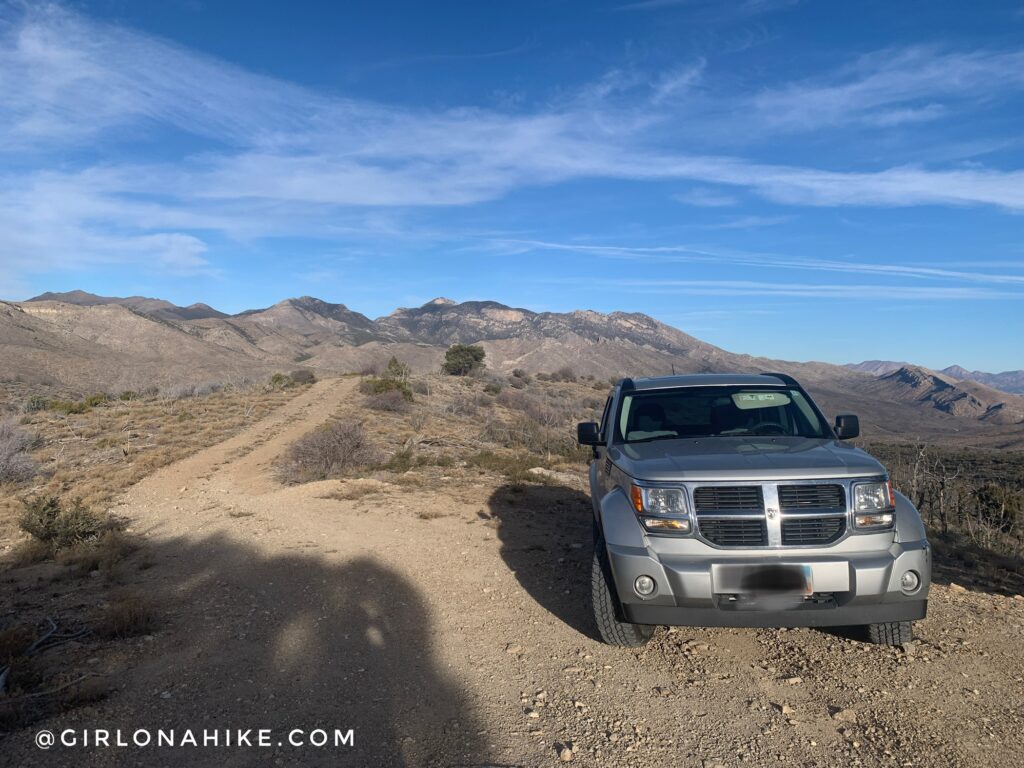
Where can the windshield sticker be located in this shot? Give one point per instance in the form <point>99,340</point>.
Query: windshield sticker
<point>746,401</point>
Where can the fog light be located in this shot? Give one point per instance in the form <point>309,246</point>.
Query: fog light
<point>644,586</point>
<point>909,582</point>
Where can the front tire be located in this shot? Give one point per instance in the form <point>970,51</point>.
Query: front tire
<point>892,633</point>
<point>606,605</point>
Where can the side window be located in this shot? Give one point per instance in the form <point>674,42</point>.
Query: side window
<point>604,418</point>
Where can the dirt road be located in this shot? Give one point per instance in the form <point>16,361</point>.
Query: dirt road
<point>448,624</point>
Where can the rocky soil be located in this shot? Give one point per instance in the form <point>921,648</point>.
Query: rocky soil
<point>444,618</point>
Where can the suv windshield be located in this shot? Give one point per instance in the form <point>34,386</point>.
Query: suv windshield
<point>664,414</point>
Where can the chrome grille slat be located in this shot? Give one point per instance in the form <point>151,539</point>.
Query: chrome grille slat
<point>805,531</point>
<point>812,497</point>
<point>736,532</point>
<point>740,498</point>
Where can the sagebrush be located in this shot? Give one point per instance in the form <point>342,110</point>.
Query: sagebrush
<point>16,463</point>
<point>333,450</point>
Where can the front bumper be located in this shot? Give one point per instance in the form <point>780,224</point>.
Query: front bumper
<point>841,588</point>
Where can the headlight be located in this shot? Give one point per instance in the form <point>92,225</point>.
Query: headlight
<point>873,506</point>
<point>661,509</point>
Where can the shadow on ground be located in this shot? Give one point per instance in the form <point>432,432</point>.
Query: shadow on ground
<point>546,541</point>
<point>247,641</point>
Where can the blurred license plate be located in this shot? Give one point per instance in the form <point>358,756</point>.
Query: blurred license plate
<point>764,579</point>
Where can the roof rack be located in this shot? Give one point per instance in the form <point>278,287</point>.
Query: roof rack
<point>785,378</point>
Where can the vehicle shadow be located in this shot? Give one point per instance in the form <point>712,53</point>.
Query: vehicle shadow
<point>246,641</point>
<point>546,541</point>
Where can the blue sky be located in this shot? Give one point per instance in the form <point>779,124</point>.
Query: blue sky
<point>801,180</point>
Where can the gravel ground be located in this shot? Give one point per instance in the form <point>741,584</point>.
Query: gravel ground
<point>447,623</point>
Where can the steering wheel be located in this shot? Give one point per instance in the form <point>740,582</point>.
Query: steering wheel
<point>771,426</point>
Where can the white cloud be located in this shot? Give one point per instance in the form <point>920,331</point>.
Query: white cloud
<point>891,87</point>
<point>805,290</point>
<point>706,198</point>
<point>770,261</point>
<point>282,159</point>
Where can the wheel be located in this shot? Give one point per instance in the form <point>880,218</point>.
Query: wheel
<point>894,633</point>
<point>606,605</point>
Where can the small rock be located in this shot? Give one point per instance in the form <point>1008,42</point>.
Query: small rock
<point>566,754</point>
<point>532,713</point>
<point>513,649</point>
<point>956,588</point>
<point>794,680</point>
<point>844,715</point>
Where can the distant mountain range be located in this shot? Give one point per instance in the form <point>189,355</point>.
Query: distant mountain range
<point>1007,381</point>
<point>82,342</point>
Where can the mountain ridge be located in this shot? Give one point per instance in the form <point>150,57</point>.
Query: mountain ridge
<point>97,341</point>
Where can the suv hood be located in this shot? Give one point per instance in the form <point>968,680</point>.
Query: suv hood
<point>743,458</point>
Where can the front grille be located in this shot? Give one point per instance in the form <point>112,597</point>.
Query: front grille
<point>799,498</point>
<point>740,498</point>
<point>735,533</point>
<point>804,531</point>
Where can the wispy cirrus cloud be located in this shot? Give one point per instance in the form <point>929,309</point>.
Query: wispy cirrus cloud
<point>278,158</point>
<point>771,262</point>
<point>749,288</point>
<point>892,87</point>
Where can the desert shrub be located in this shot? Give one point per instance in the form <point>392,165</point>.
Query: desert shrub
<point>100,555</point>
<point>462,405</point>
<point>408,458</point>
<point>375,386</point>
<point>397,370</point>
<point>391,401</point>
<point>420,387</point>
<point>543,376</point>
<point>370,369</point>
<point>302,376</point>
<point>332,450</point>
<point>526,434</point>
<point>184,391</point>
<point>34,404</point>
<point>515,467</point>
<point>16,465</point>
<point>565,373</point>
<point>530,407</point>
<point>516,383</point>
<point>45,518</point>
<point>127,616</point>
<point>462,359</point>
<point>29,552</point>
<point>301,357</point>
<point>128,395</point>
<point>98,398</point>
<point>492,388</point>
<point>519,373</point>
<point>279,381</point>
<point>67,407</point>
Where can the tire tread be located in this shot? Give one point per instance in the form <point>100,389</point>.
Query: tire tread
<point>892,633</point>
<point>612,630</point>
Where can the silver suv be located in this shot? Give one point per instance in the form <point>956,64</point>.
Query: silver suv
<point>729,501</point>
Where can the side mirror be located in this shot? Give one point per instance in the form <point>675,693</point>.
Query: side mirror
<point>588,433</point>
<point>847,426</point>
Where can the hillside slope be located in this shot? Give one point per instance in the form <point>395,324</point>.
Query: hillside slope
<point>92,341</point>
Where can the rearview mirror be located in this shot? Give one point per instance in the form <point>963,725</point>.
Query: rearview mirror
<point>588,433</point>
<point>847,426</point>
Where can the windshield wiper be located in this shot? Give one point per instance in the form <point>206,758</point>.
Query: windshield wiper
<point>652,439</point>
